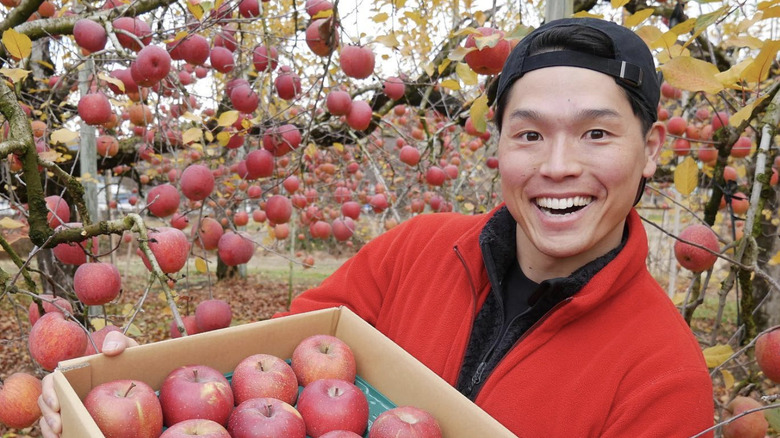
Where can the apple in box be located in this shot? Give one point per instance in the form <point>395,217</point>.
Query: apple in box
<point>264,375</point>
<point>125,408</point>
<point>195,391</point>
<point>199,427</point>
<point>266,418</point>
<point>405,421</point>
<point>323,357</point>
<point>333,404</point>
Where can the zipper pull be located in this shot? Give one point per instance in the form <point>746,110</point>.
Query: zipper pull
<point>477,378</point>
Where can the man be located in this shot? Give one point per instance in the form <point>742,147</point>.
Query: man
<point>543,311</point>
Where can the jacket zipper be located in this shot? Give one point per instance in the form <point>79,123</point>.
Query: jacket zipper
<point>477,380</point>
<point>473,296</point>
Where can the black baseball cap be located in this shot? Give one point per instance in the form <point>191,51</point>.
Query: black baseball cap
<point>632,66</point>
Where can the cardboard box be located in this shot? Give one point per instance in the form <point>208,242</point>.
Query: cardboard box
<point>380,362</point>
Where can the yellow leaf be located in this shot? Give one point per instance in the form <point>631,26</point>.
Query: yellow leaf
<point>227,118</point>
<point>639,17</point>
<point>195,9</point>
<point>466,74</point>
<point>10,224</point>
<point>678,299</point>
<point>416,17</point>
<point>429,68</point>
<point>586,14</point>
<point>191,135</point>
<point>686,176</point>
<point>480,17</point>
<point>459,53</point>
<point>649,34</point>
<point>478,113</point>
<point>209,136</point>
<point>771,13</point>
<point>775,260</point>
<point>451,84</point>
<point>465,31</point>
<point>487,41</point>
<point>728,379</point>
<point>380,18</point>
<point>64,136</point>
<point>618,3</point>
<point>97,323</point>
<point>666,41</point>
<point>691,74</point>
<point>223,138</point>
<point>733,76</point>
<point>748,41</point>
<point>684,27</point>
<point>388,40</point>
<point>338,147</point>
<point>201,265</point>
<point>17,44</point>
<point>15,74</point>
<point>444,65</point>
<point>116,82</point>
<point>325,13</point>
<point>311,150</point>
<point>716,355</point>
<point>128,309</point>
<point>758,70</point>
<point>737,118</point>
<point>133,330</point>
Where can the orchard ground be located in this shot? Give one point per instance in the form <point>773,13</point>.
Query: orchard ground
<point>266,289</point>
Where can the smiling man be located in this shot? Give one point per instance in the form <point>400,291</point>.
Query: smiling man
<point>542,311</point>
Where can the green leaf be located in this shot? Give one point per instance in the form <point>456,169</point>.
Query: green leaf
<point>773,417</point>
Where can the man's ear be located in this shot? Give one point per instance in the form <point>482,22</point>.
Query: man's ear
<point>654,142</point>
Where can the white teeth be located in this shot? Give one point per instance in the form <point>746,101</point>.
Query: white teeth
<point>563,203</point>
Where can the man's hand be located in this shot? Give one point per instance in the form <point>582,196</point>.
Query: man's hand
<point>51,422</point>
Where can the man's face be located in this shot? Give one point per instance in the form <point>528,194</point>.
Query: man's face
<point>571,156</point>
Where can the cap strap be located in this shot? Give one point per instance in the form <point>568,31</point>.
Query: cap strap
<point>629,73</point>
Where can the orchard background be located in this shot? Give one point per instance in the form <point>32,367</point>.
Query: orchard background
<point>281,136</point>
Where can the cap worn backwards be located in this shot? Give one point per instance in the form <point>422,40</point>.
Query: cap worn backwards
<point>632,65</point>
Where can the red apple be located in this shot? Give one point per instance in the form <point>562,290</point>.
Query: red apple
<point>194,48</point>
<point>50,304</point>
<point>333,404</point>
<point>708,155</point>
<point>262,60</point>
<point>196,427</point>
<point>314,7</point>
<point>190,325</point>
<point>340,434</point>
<point>107,146</point>
<point>73,253</point>
<point>134,26</point>
<point>409,155</point>
<point>195,391</point>
<point>394,88</point>
<point>488,60</point>
<point>151,66</point>
<point>742,147</point>
<point>90,35</point>
<point>264,375</point>
<point>435,176</point>
<point>208,232</point>
<point>406,421</point>
<point>249,8</point>
<point>59,211</point>
<point>170,247</point>
<point>222,60</point>
<point>351,209</point>
<point>357,62</point>
<point>235,248</point>
<point>266,418</point>
<point>323,357</point>
<point>676,125</point>
<point>19,400</point>
<point>179,221</point>
<point>54,338</point>
<point>197,182</point>
<point>768,354</point>
<point>378,202</point>
<point>98,338</point>
<point>694,258</point>
<point>212,315</point>
<point>244,98</point>
<point>338,102</point>
<point>681,147</point>
<point>278,208</point>
<point>259,164</point>
<point>125,409</point>
<point>360,114</point>
<point>719,120</point>
<point>321,38</point>
<point>753,425</point>
<point>288,85</point>
<point>163,200</point>
<point>97,283</point>
<point>94,109</point>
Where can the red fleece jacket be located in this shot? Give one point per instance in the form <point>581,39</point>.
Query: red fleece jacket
<point>615,360</point>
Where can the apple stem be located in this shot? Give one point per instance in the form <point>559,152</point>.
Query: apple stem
<point>268,410</point>
<point>132,385</point>
<point>195,374</point>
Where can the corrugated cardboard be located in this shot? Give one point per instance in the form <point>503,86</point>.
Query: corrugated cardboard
<point>383,364</point>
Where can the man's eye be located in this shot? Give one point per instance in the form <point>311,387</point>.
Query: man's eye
<point>596,134</point>
<point>530,136</point>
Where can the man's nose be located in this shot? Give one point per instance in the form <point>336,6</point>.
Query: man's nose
<point>561,159</point>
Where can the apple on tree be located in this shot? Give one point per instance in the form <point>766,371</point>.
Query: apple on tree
<point>96,284</point>
<point>195,391</point>
<point>323,357</point>
<point>19,400</point>
<point>692,257</point>
<point>752,425</point>
<point>212,315</point>
<point>768,354</point>
<point>54,338</point>
<point>125,408</point>
<point>170,247</point>
<point>50,304</point>
<point>333,404</point>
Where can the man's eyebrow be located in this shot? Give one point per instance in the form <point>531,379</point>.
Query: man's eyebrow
<point>586,114</point>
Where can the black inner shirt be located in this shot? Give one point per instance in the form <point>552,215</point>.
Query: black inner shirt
<point>515,293</point>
